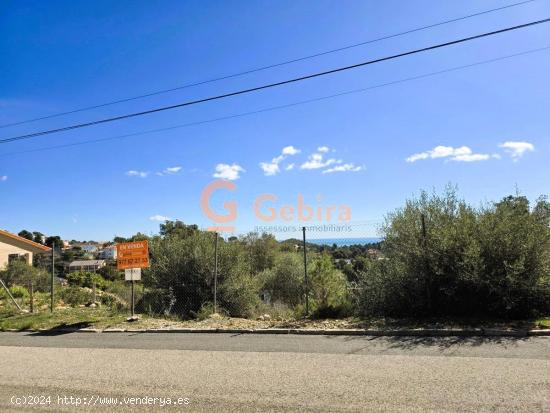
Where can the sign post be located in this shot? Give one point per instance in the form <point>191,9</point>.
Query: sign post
<point>132,257</point>
<point>132,274</point>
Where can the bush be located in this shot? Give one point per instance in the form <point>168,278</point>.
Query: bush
<point>113,301</point>
<point>328,287</point>
<point>279,311</point>
<point>19,272</point>
<point>110,273</point>
<point>75,296</point>
<point>156,301</point>
<point>285,281</point>
<point>207,310</point>
<point>86,279</point>
<point>462,261</point>
<point>18,291</point>
<point>182,264</point>
<point>240,295</point>
<point>514,256</point>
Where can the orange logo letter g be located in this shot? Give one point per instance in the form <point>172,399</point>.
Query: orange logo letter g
<point>231,206</point>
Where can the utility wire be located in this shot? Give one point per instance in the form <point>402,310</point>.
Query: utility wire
<point>262,68</point>
<point>272,85</point>
<point>273,108</point>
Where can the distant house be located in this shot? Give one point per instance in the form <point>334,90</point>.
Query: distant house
<point>13,247</point>
<point>89,248</point>
<point>86,265</point>
<point>108,253</point>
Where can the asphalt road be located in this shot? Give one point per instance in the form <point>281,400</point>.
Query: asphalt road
<point>224,372</point>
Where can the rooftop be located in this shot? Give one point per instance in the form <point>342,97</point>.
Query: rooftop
<point>25,241</point>
<point>82,263</point>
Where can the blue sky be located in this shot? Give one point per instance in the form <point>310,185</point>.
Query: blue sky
<point>483,128</point>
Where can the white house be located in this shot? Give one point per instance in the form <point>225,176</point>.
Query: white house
<point>86,265</point>
<point>108,253</point>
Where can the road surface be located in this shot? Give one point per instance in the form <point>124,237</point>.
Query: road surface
<point>123,372</point>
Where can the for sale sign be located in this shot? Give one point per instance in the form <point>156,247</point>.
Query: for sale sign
<point>132,255</point>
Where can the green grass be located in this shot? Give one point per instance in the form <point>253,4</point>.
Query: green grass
<point>543,322</point>
<point>70,317</point>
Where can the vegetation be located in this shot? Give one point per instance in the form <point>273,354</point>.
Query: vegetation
<point>443,257</point>
<point>69,318</point>
<point>20,273</point>
<point>86,279</point>
<point>440,258</point>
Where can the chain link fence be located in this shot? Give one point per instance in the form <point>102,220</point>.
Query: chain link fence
<point>197,274</point>
<point>438,257</point>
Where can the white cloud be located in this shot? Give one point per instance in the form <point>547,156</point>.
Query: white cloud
<point>516,149</point>
<point>290,150</point>
<point>3,178</point>
<point>228,172</point>
<point>471,157</point>
<point>316,161</point>
<point>347,167</point>
<point>169,171</point>
<point>172,170</point>
<point>289,167</point>
<point>272,168</point>
<point>139,174</point>
<point>159,218</point>
<point>459,154</point>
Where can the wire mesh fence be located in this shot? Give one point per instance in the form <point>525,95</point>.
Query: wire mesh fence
<point>195,274</point>
<point>438,257</point>
<point>423,267</point>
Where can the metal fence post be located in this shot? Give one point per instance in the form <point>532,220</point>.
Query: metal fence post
<point>133,299</point>
<point>52,280</point>
<point>216,273</point>
<point>305,271</point>
<point>93,292</point>
<point>31,296</point>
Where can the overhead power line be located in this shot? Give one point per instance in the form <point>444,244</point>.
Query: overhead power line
<point>271,85</point>
<point>273,108</point>
<point>272,66</point>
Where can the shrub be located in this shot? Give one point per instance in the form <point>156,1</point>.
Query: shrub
<point>156,301</point>
<point>74,295</point>
<point>207,310</point>
<point>239,295</point>
<point>328,287</point>
<point>514,256</point>
<point>262,250</point>
<point>285,281</point>
<point>182,264</point>
<point>19,272</point>
<point>490,261</point>
<point>86,279</point>
<point>113,301</point>
<point>278,310</point>
<point>110,273</point>
<point>18,291</point>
